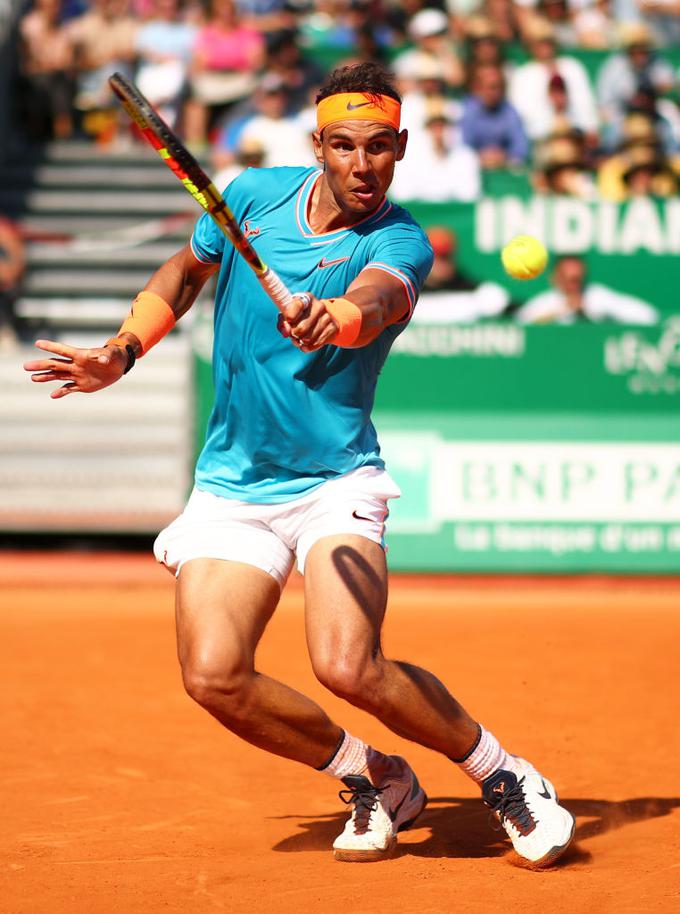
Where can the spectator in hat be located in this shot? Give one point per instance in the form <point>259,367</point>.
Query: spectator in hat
<point>640,166</point>
<point>573,299</point>
<point>483,45</point>
<point>623,73</point>
<point>490,124</point>
<point>444,169</point>
<point>449,296</point>
<point>249,154</point>
<point>539,96</point>
<point>425,93</point>
<point>647,172</point>
<point>646,102</point>
<point>429,32</point>
<point>273,127</point>
<point>561,168</point>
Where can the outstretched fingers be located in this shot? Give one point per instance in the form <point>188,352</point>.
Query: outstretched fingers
<point>58,348</point>
<point>42,376</point>
<point>78,370</point>
<point>49,365</point>
<point>70,388</point>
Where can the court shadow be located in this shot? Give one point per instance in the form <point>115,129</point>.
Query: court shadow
<point>462,827</point>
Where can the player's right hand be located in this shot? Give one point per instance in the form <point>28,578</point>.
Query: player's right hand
<point>306,323</point>
<point>82,370</point>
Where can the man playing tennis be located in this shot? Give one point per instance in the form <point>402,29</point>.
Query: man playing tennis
<point>291,469</point>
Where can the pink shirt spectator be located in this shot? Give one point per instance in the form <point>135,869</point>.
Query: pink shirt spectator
<point>238,49</point>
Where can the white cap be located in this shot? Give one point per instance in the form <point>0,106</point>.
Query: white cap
<point>428,22</point>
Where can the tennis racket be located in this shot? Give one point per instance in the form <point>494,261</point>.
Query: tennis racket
<point>179,160</point>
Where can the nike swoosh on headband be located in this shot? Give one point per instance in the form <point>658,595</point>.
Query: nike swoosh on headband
<point>351,107</point>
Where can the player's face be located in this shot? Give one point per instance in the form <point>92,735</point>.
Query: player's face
<point>359,159</point>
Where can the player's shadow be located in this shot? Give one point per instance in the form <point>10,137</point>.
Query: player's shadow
<point>463,827</point>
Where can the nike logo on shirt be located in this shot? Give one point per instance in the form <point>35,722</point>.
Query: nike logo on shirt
<point>323,263</point>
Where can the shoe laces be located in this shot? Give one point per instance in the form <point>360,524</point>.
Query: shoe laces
<point>512,806</point>
<point>364,797</point>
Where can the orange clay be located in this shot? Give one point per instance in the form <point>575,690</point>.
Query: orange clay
<point>118,793</point>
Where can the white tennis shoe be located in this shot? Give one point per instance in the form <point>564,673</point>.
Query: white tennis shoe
<point>526,805</point>
<point>378,813</point>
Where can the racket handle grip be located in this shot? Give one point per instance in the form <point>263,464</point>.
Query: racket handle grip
<point>275,289</point>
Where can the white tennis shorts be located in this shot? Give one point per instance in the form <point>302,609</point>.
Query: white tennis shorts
<point>271,536</point>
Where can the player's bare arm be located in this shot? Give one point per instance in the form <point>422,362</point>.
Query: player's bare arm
<point>79,370</point>
<point>379,297</point>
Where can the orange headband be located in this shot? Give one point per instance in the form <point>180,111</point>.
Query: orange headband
<point>358,106</point>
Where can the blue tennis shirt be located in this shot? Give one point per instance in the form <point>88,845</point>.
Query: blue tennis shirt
<point>285,421</point>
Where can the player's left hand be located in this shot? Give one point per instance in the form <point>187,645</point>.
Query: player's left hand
<point>83,370</point>
<point>307,323</point>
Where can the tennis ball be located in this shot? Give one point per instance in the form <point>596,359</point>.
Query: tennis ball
<point>524,257</point>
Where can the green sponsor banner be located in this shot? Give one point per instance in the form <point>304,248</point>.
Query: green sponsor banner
<point>533,448</point>
<point>632,248</point>
<point>501,504</point>
<point>500,367</point>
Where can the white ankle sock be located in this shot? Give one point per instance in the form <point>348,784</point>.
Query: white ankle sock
<point>351,758</point>
<point>487,756</point>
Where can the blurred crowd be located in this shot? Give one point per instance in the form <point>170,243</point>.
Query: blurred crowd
<point>487,84</point>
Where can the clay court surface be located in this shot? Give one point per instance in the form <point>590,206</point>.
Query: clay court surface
<point>120,795</point>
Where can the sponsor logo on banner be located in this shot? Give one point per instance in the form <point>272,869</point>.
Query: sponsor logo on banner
<point>649,367</point>
<point>556,481</point>
<point>567,501</point>
<point>503,340</point>
<point>568,225</point>
<point>533,481</point>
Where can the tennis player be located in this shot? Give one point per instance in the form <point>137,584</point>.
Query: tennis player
<point>291,469</point>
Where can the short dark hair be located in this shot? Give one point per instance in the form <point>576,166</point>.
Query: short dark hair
<point>368,77</point>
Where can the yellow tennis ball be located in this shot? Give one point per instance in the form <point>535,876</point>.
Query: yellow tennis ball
<point>524,257</point>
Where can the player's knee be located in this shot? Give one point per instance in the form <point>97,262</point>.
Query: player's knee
<point>354,679</point>
<point>215,688</point>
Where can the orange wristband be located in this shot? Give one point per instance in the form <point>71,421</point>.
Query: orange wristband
<point>348,316</point>
<point>150,318</point>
